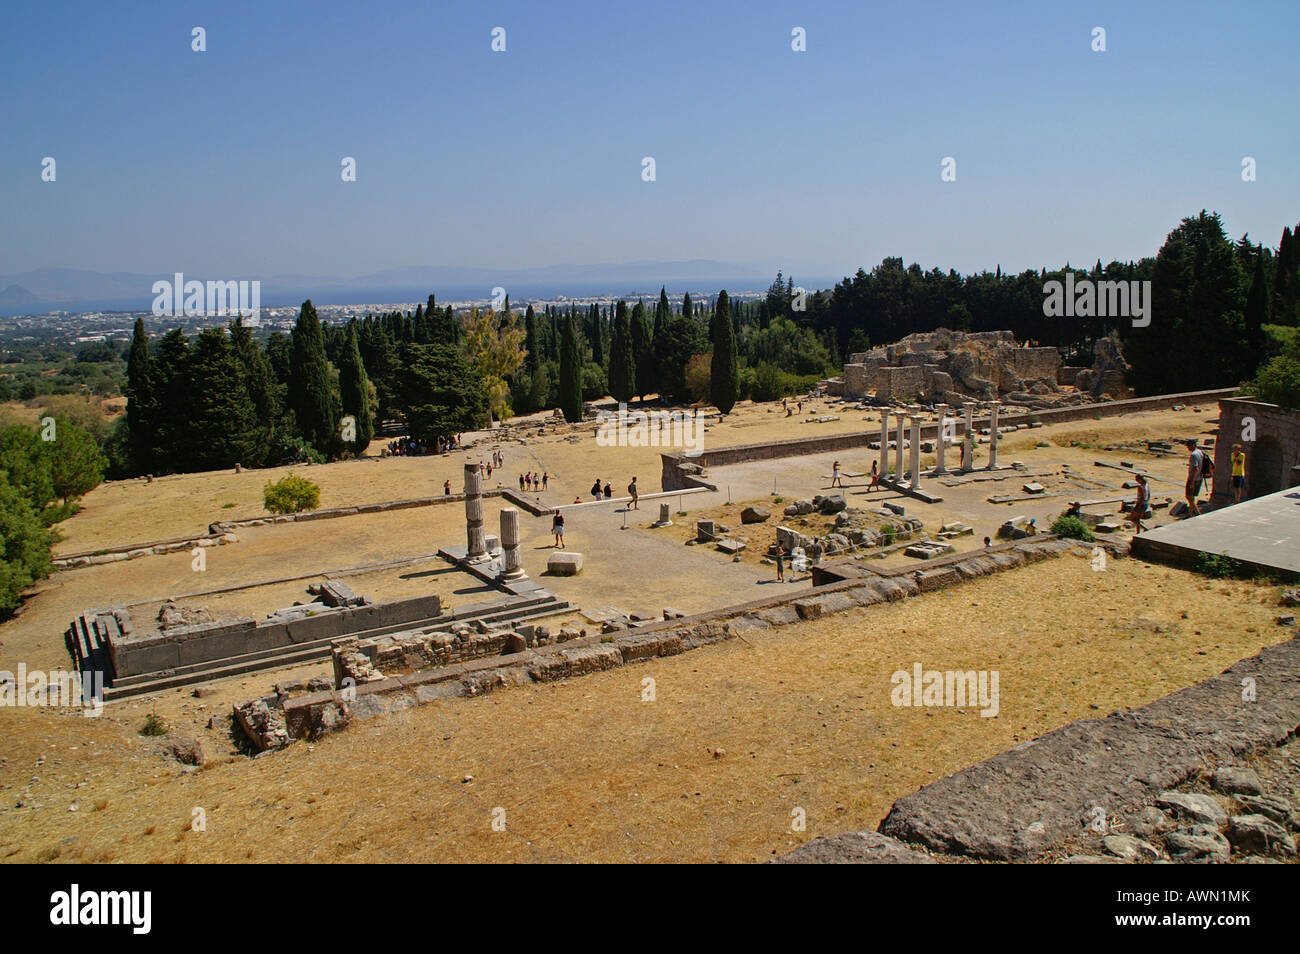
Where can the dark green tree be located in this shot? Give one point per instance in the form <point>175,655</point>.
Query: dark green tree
<point>24,545</point>
<point>724,380</point>
<point>223,422</point>
<point>531,359</point>
<point>571,368</point>
<point>439,393</point>
<point>354,391</point>
<point>622,360</point>
<point>141,403</point>
<point>315,406</point>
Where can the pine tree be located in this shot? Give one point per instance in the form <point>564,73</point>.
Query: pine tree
<point>687,310</point>
<point>622,363</point>
<point>354,393</point>
<point>141,402</point>
<point>311,396</point>
<point>570,373</point>
<point>1256,309</point>
<point>724,381</point>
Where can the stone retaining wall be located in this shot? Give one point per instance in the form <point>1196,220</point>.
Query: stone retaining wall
<point>187,645</point>
<point>318,713</point>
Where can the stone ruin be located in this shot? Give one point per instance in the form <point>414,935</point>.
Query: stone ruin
<point>1105,380</point>
<point>951,367</point>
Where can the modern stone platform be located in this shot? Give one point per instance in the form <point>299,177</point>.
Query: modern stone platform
<point>1263,533</point>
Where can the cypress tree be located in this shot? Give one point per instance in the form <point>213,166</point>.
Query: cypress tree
<point>263,391</point>
<point>141,402</point>
<point>622,364</point>
<point>687,310</point>
<point>1256,308</point>
<point>222,420</point>
<point>311,396</point>
<point>641,340</point>
<point>354,392</point>
<point>597,345</point>
<point>530,341</point>
<point>1284,281</point>
<point>173,444</point>
<point>724,381</point>
<point>570,373</point>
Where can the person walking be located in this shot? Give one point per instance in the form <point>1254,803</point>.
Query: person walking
<point>636,500</point>
<point>1195,475</point>
<point>1140,505</point>
<point>446,487</point>
<point>595,489</point>
<point>1238,472</point>
<point>835,475</point>
<point>609,491</point>
<point>546,479</point>
<point>780,563</point>
<point>557,528</point>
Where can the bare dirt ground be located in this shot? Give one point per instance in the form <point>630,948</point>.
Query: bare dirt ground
<point>584,770</point>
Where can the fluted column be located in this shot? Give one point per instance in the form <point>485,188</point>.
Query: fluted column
<point>511,567</point>
<point>476,541</point>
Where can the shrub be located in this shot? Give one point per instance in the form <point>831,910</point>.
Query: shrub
<point>1067,526</point>
<point>153,725</point>
<point>1220,567</point>
<point>291,494</point>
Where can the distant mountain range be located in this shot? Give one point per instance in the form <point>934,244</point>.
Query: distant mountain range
<point>72,289</point>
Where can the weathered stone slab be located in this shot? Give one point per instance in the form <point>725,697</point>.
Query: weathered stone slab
<point>564,563</point>
<point>855,848</point>
<point>1021,802</point>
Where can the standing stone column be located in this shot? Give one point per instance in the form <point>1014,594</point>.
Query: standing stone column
<point>884,444</point>
<point>915,455</point>
<point>941,443</point>
<point>476,541</point>
<point>898,450</point>
<point>968,440</point>
<point>993,436</point>
<point>511,568</point>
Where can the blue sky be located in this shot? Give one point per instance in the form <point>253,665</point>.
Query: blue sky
<point>227,162</point>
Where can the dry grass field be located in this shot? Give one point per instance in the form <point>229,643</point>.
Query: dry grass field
<point>740,734</point>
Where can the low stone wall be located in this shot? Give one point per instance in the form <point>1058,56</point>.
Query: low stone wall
<point>222,532</point>
<point>188,645</point>
<point>1042,794</point>
<point>315,714</point>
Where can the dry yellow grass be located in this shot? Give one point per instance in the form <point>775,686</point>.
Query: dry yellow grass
<point>586,771</point>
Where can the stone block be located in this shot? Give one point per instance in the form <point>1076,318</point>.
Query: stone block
<point>564,563</point>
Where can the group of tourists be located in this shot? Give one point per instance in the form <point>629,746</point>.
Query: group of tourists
<point>410,447</point>
<point>530,482</point>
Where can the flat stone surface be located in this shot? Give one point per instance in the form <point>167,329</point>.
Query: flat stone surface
<point>1264,531</point>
